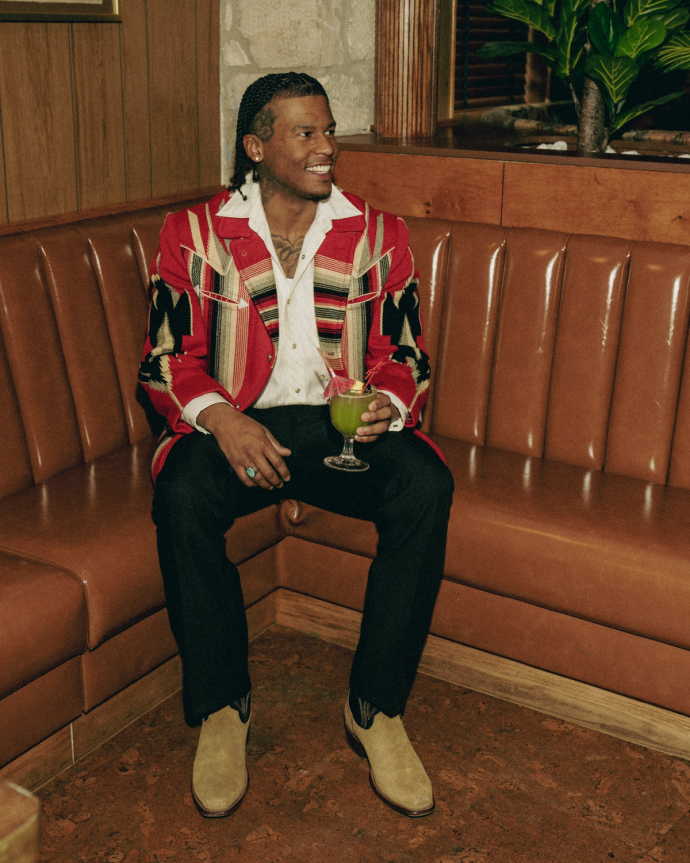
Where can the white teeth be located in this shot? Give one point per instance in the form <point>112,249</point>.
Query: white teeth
<point>320,169</point>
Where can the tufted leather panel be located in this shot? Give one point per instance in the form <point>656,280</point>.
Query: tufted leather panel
<point>650,356</point>
<point>36,360</point>
<point>528,312</point>
<point>85,340</point>
<point>15,466</point>
<point>586,349</point>
<point>114,259</point>
<point>679,471</point>
<point>429,241</point>
<point>468,331</point>
<point>36,598</point>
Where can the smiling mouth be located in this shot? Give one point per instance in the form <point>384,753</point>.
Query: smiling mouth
<point>320,169</point>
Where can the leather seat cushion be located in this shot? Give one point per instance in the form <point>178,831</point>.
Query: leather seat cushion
<point>606,548</point>
<point>94,520</point>
<point>42,619</point>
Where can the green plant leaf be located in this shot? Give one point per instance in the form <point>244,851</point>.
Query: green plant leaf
<point>550,6</point>
<point>675,54</point>
<point>675,18</point>
<point>644,35</point>
<point>574,7</point>
<point>569,42</point>
<point>503,49</point>
<point>605,29</point>
<point>626,117</point>
<point>615,73</point>
<point>527,12</point>
<point>635,9</point>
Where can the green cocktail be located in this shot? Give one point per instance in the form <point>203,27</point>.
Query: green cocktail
<point>346,415</point>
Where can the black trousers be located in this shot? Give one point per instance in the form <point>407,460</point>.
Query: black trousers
<point>407,494</point>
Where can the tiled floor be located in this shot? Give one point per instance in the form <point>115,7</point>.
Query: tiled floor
<point>511,785</point>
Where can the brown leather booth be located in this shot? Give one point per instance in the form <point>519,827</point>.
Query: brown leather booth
<point>561,400</point>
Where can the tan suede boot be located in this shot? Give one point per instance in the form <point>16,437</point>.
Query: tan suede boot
<point>395,772</point>
<point>220,779</point>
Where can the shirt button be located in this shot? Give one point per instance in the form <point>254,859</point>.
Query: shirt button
<point>287,303</point>
<point>293,347</point>
<point>303,257</point>
<point>297,390</point>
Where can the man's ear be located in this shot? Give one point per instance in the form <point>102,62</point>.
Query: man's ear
<point>253,147</point>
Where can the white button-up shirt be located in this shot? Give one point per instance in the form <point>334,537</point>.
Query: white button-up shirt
<point>299,376</point>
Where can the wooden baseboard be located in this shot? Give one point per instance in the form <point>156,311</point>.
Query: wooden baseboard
<point>538,690</point>
<point>589,706</point>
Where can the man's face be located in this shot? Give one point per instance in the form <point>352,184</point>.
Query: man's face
<point>294,140</point>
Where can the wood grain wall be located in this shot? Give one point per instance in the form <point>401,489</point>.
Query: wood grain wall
<point>99,114</point>
<point>614,202</point>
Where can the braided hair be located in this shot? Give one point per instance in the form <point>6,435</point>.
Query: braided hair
<point>284,85</point>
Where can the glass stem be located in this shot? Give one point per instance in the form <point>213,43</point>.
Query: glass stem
<point>348,450</point>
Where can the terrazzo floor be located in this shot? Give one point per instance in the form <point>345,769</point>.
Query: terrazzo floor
<point>511,785</point>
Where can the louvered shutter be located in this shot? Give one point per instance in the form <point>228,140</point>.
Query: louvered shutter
<point>480,82</point>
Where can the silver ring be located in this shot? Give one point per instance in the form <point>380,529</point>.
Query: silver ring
<point>251,472</point>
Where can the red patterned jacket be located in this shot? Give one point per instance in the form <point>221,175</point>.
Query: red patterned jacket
<point>213,318</point>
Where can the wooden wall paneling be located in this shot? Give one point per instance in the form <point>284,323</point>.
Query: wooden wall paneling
<point>208,90</point>
<point>634,204</point>
<point>3,187</point>
<point>173,96</point>
<point>135,89</point>
<point>98,115</point>
<point>38,130</point>
<point>441,188</point>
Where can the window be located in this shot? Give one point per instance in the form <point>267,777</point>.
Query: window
<point>466,80</point>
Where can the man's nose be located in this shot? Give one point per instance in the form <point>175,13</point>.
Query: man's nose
<point>325,144</point>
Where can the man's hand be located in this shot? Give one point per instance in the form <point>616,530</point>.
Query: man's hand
<point>246,443</point>
<point>381,414</point>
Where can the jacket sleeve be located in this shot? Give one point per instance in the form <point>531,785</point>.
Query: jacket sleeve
<point>395,350</point>
<point>174,369</point>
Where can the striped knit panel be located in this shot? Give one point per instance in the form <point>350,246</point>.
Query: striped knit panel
<point>363,291</point>
<point>261,285</point>
<point>226,319</point>
<point>332,286</point>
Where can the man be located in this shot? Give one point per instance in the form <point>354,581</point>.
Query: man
<point>245,291</point>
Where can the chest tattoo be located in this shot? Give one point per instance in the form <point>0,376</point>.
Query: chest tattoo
<point>288,252</point>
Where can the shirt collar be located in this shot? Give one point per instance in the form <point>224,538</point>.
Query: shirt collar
<point>336,206</point>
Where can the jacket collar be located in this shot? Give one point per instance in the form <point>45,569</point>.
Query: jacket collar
<point>233,218</point>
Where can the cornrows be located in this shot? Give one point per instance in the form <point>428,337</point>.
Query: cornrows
<point>284,85</point>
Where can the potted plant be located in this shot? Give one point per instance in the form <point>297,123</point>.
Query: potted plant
<point>598,49</point>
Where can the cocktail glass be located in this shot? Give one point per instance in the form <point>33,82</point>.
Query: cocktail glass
<point>346,415</point>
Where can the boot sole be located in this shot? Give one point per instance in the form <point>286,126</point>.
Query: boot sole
<point>219,813</point>
<point>357,747</point>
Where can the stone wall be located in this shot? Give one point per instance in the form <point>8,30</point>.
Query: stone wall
<point>333,40</point>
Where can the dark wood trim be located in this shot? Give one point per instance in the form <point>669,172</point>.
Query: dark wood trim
<point>111,210</point>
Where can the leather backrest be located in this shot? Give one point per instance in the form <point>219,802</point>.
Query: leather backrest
<point>567,347</point>
<point>73,307</point>
<point>429,241</point>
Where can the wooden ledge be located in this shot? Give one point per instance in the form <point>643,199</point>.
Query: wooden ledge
<point>499,145</point>
<point>112,210</point>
